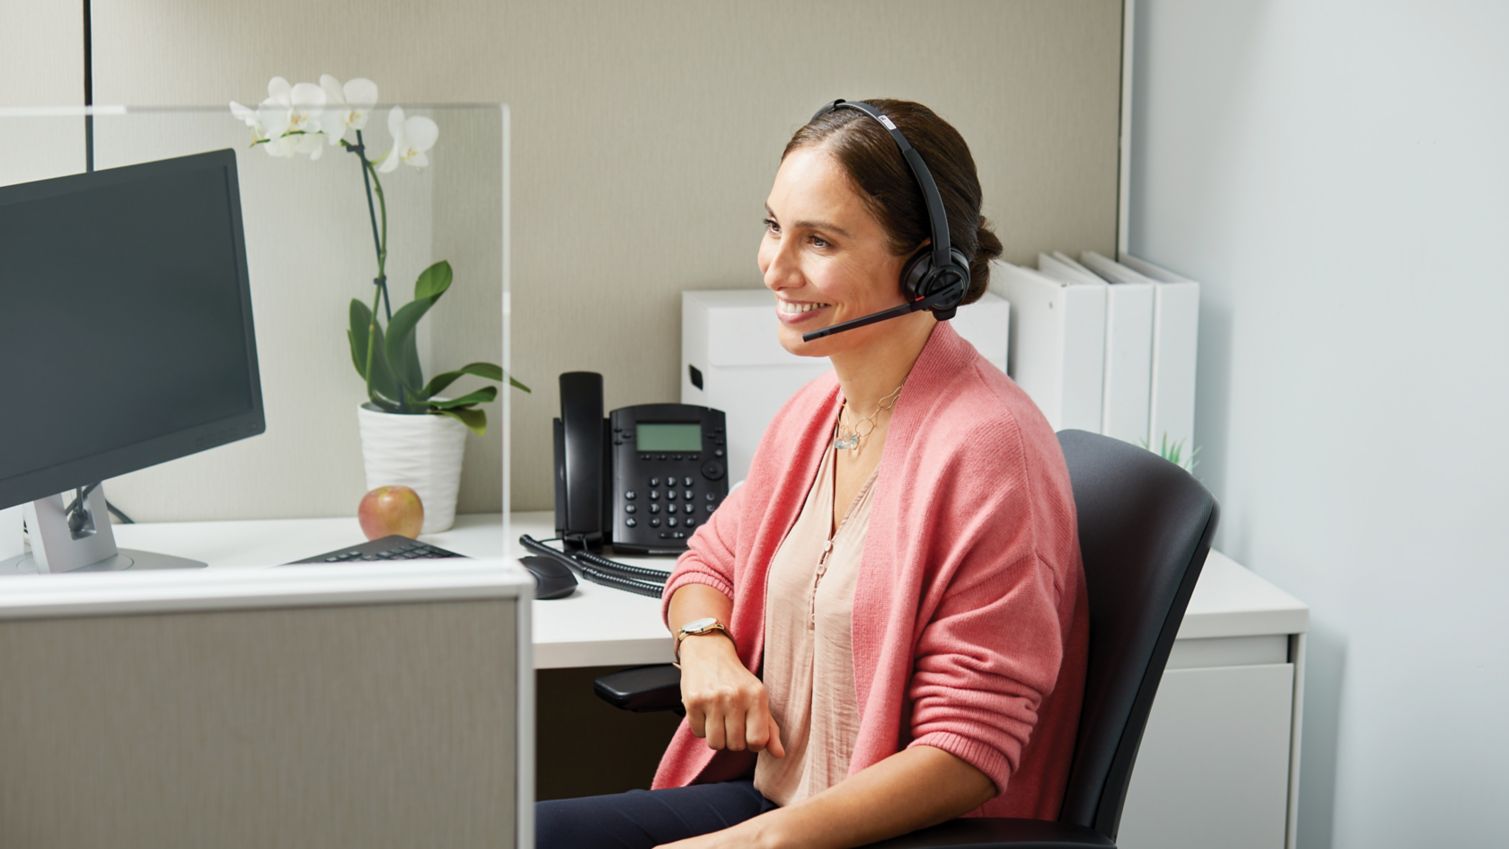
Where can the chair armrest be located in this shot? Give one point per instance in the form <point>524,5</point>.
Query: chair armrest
<point>996,833</point>
<point>642,688</point>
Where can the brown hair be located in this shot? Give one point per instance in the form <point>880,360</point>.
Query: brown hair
<point>876,168</point>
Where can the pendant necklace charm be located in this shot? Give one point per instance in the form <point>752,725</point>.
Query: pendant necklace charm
<point>851,439</point>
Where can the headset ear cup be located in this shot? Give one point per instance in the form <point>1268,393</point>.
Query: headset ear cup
<point>947,286</point>
<point>961,268</point>
<point>914,275</point>
<point>920,280</point>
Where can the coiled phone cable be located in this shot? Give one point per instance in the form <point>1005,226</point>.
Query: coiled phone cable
<point>642,580</point>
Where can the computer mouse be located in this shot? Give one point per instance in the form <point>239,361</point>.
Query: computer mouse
<point>552,578</point>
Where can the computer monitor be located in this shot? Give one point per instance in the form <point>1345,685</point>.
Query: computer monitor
<point>126,341</point>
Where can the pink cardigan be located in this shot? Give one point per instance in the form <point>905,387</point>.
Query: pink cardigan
<point>970,618</point>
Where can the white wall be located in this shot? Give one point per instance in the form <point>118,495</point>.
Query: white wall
<point>1337,174</point>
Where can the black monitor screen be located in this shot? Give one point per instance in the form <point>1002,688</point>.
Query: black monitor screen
<point>125,323</point>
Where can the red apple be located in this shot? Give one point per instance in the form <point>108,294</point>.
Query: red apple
<point>390,510</point>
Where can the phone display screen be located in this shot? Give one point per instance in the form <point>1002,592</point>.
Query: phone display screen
<point>668,437</point>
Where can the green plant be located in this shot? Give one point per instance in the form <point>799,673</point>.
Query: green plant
<point>389,360</point>
<point>305,119</point>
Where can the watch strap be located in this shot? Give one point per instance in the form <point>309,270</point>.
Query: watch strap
<point>682,633</point>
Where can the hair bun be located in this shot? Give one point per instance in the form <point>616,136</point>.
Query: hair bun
<point>988,247</point>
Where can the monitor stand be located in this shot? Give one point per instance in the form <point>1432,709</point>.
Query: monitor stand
<point>91,548</point>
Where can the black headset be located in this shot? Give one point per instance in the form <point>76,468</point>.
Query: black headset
<point>936,277</point>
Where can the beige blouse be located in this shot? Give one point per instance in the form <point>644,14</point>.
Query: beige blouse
<point>809,665</point>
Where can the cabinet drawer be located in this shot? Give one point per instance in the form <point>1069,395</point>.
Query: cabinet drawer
<point>1213,769</point>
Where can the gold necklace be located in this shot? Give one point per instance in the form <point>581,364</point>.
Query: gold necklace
<point>853,438</point>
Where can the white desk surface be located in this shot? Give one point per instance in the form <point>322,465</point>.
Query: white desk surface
<point>600,626</point>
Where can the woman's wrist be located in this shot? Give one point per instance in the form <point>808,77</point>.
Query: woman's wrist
<point>697,648</point>
<point>760,832</point>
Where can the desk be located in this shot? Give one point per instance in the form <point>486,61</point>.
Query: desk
<point>1219,761</point>
<point>595,626</point>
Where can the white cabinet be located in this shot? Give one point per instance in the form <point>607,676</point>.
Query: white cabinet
<point>1219,759</point>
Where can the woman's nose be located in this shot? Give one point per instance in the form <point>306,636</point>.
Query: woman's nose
<point>780,268</point>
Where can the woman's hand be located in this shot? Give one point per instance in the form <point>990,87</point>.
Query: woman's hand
<point>725,703</point>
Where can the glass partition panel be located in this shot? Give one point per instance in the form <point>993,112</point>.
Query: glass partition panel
<point>311,249</point>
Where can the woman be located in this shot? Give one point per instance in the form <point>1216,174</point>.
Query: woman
<point>885,626</point>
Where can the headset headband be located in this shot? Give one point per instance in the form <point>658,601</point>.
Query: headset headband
<point>937,219</point>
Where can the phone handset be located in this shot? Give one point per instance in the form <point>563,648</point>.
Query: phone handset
<point>582,458</point>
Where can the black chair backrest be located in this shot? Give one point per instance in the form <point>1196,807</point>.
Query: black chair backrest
<point>1145,528</point>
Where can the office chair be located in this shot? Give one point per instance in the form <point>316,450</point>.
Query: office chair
<point>1145,528</point>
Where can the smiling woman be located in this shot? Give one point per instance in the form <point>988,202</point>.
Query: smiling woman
<point>830,666</point>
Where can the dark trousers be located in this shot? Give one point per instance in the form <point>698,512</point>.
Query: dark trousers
<point>641,819</point>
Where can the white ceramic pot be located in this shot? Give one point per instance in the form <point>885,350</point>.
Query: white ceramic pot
<point>420,451</point>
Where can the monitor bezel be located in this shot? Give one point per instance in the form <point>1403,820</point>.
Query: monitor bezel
<point>33,484</point>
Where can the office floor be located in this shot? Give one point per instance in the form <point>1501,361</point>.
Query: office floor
<point>584,746</point>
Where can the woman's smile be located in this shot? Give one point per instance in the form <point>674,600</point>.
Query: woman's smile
<point>798,312</point>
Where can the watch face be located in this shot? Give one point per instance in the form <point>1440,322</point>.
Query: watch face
<point>699,625</point>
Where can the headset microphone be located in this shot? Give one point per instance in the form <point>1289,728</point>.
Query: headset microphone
<point>936,278</point>
<point>926,303</point>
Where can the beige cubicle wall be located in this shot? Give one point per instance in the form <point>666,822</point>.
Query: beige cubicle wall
<point>645,137</point>
<point>353,724</point>
<point>41,64</point>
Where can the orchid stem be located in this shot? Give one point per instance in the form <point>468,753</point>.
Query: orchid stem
<point>371,181</point>
<point>380,243</point>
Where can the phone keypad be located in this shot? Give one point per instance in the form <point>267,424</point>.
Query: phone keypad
<point>678,491</point>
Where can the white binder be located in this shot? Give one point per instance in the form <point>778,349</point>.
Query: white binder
<point>1129,352</point>
<point>1176,322</point>
<point>1056,342</point>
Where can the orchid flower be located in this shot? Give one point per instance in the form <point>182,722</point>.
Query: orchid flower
<point>346,106</point>
<point>250,118</point>
<point>290,117</point>
<point>411,138</point>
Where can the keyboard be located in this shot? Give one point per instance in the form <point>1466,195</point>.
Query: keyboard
<point>384,548</point>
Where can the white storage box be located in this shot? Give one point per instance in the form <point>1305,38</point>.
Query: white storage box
<point>732,361</point>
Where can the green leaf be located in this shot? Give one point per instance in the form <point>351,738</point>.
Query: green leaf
<point>517,385</point>
<point>441,381</point>
<point>361,317</point>
<point>481,396</point>
<point>384,404</point>
<point>402,349</point>
<point>475,420</point>
<point>382,381</point>
<point>433,281</point>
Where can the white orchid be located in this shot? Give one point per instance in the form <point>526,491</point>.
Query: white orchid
<point>290,117</point>
<point>307,118</point>
<point>411,138</point>
<point>250,118</point>
<point>346,106</point>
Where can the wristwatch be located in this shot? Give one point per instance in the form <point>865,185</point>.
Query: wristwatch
<point>698,627</point>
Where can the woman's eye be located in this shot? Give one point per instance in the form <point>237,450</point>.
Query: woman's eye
<point>820,242</point>
<point>771,226</point>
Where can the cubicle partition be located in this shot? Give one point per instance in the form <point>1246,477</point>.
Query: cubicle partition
<point>384,707</point>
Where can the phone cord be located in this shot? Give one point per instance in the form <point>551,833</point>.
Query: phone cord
<point>650,572</point>
<point>633,585</point>
<point>600,570</point>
